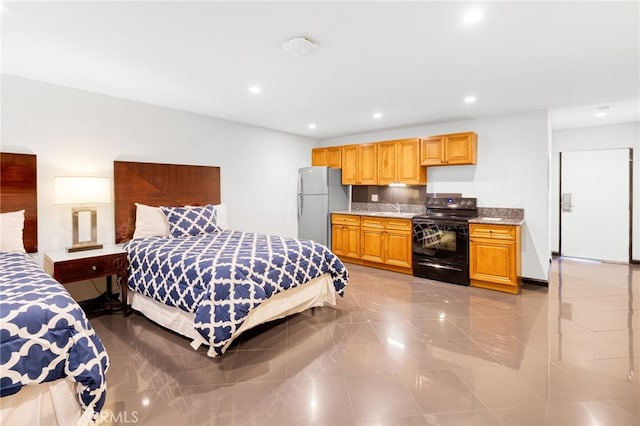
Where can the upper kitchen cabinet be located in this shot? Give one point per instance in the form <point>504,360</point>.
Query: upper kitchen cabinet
<point>452,149</point>
<point>330,157</point>
<point>399,162</point>
<point>387,162</point>
<point>359,164</point>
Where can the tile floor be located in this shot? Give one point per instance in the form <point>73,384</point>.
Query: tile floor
<point>400,350</point>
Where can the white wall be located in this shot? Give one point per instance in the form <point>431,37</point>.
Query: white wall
<point>512,171</point>
<point>75,132</point>
<point>604,137</point>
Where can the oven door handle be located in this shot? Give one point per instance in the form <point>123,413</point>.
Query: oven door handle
<point>435,265</point>
<point>440,222</point>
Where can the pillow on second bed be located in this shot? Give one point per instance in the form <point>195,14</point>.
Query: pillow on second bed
<point>188,221</point>
<point>150,222</point>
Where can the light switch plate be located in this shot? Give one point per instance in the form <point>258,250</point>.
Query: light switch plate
<point>374,197</point>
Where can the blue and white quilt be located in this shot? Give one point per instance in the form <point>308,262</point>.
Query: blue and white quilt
<point>221,277</point>
<point>45,335</point>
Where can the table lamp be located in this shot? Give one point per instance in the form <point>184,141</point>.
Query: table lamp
<point>84,192</point>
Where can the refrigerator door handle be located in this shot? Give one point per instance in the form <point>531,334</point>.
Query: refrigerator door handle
<point>300,206</point>
<point>300,185</point>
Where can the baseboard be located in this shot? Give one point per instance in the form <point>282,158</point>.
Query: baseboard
<point>534,281</point>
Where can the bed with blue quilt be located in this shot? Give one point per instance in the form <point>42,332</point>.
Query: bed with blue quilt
<point>45,336</point>
<point>52,364</point>
<point>190,274</point>
<point>223,280</point>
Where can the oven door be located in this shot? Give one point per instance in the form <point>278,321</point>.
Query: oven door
<point>441,250</point>
<point>441,240</point>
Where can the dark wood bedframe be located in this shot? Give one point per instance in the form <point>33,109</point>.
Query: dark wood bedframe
<point>19,190</point>
<point>157,184</point>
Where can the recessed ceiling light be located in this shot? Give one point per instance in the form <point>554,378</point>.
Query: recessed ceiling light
<point>472,16</point>
<point>312,126</point>
<point>601,113</point>
<point>377,115</point>
<point>470,99</point>
<point>255,89</point>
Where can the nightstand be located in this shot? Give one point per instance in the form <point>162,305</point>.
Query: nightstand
<point>85,265</point>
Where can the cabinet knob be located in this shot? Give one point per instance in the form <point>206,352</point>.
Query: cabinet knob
<point>93,268</point>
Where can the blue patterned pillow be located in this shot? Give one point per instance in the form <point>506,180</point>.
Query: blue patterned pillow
<point>187,221</point>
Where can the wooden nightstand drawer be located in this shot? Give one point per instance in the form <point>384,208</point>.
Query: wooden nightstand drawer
<point>73,270</point>
<point>86,265</point>
<point>88,268</point>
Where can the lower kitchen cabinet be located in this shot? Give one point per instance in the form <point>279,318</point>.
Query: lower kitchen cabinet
<point>384,243</point>
<point>494,257</point>
<point>345,236</point>
<point>398,249</point>
<point>372,242</point>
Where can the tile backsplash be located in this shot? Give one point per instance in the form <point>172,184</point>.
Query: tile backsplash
<point>413,194</point>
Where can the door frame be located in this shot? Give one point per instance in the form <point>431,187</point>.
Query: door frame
<point>630,259</point>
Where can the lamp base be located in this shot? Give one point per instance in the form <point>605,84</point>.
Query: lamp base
<point>82,247</point>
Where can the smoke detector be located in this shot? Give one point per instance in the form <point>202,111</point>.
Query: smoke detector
<point>299,46</point>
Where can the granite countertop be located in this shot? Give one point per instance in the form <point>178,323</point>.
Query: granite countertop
<point>499,216</point>
<point>401,215</point>
<point>497,220</point>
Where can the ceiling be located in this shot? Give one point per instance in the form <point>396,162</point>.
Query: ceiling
<point>413,62</point>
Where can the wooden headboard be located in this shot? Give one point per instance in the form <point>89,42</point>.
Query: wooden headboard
<point>157,184</point>
<point>19,190</point>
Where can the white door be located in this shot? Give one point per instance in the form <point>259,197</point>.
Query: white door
<point>595,208</point>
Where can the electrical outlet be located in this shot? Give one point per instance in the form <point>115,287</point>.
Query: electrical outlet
<point>374,198</point>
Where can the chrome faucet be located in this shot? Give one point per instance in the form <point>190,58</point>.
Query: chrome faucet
<point>396,207</point>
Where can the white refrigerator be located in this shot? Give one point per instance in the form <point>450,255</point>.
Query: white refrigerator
<point>320,191</point>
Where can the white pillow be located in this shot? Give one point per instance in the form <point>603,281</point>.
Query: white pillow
<point>150,222</point>
<point>11,226</point>
<point>221,215</point>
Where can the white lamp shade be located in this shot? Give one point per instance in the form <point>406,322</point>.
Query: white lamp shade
<point>81,190</point>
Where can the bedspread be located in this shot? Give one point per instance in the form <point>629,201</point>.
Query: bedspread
<point>221,277</point>
<point>45,335</point>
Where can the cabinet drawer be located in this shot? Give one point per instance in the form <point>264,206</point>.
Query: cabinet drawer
<point>501,232</point>
<point>345,219</point>
<point>86,269</point>
<point>398,224</point>
<point>372,222</point>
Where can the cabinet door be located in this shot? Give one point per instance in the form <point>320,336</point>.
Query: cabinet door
<point>338,240</point>
<point>367,164</point>
<point>408,169</point>
<point>334,157</point>
<point>372,245</point>
<point>398,248</point>
<point>350,165</point>
<point>352,241</point>
<point>493,261</point>
<point>432,151</point>
<point>387,161</point>
<point>461,148</point>
<point>319,157</point>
